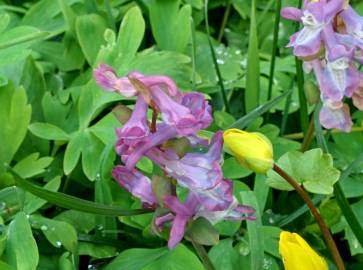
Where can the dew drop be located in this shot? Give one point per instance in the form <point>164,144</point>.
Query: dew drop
<point>99,227</point>
<point>44,227</point>
<point>2,205</point>
<point>58,243</point>
<point>220,61</point>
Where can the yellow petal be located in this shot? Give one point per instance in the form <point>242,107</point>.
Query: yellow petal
<point>298,255</point>
<point>252,149</point>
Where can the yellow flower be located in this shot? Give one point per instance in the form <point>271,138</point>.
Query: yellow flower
<point>252,149</point>
<point>298,255</point>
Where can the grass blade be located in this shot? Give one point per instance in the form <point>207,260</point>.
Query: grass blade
<point>216,66</point>
<point>253,65</point>
<point>244,121</point>
<point>71,202</point>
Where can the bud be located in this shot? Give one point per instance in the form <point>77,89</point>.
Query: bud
<point>297,254</point>
<point>252,149</point>
<point>312,93</point>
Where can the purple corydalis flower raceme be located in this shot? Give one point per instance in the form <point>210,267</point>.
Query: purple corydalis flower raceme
<point>335,115</point>
<point>315,17</point>
<point>135,183</point>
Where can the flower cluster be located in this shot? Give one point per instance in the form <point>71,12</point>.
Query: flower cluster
<point>182,116</point>
<point>331,44</point>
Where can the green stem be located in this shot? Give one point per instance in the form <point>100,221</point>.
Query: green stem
<point>304,118</point>
<point>309,136</point>
<point>202,253</point>
<point>224,21</point>
<point>216,66</point>
<point>314,211</point>
<point>274,48</point>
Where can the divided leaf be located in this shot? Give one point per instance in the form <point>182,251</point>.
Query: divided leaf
<point>313,169</point>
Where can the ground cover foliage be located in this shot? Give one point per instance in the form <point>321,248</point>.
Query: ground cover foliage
<point>59,204</point>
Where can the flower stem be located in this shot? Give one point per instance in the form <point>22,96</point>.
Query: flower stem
<point>153,120</point>
<point>324,229</point>
<point>224,21</point>
<point>309,136</point>
<point>203,255</point>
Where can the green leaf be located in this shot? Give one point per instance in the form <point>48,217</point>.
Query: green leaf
<point>58,233</point>
<point>4,21</point>
<point>129,38</point>
<point>82,222</point>
<point>21,249</point>
<point>170,25</point>
<point>65,262</point>
<point>14,119</point>
<point>202,232</point>
<point>33,203</point>
<point>72,153</point>
<point>48,131</point>
<point>70,202</point>
<point>179,258</point>
<point>313,169</point>
<point>253,67</point>
<point>96,251</point>
<point>136,259</point>
<point>32,165</point>
<point>232,169</point>
<point>5,266</point>
<point>90,43</point>
<point>33,81</point>
<point>21,35</point>
<point>224,256</point>
<point>254,232</point>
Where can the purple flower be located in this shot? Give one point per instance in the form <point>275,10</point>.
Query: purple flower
<point>335,115</point>
<point>136,128</point>
<point>339,78</point>
<point>217,198</point>
<point>315,17</point>
<point>135,183</point>
<point>197,171</point>
<point>192,209</point>
<point>106,77</point>
<point>183,213</point>
<point>234,212</point>
<point>353,24</point>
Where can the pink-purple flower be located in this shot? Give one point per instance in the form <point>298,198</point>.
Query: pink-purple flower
<point>331,42</point>
<point>209,195</point>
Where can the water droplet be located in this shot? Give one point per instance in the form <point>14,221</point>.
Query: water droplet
<point>267,263</point>
<point>355,243</point>
<point>98,177</point>
<point>44,227</point>
<point>237,52</point>
<point>243,248</point>
<point>58,243</point>
<point>99,227</point>
<point>220,61</point>
<point>28,216</point>
<point>2,205</point>
<point>271,220</point>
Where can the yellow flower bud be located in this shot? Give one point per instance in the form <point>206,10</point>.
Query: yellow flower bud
<point>298,255</point>
<point>252,149</point>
